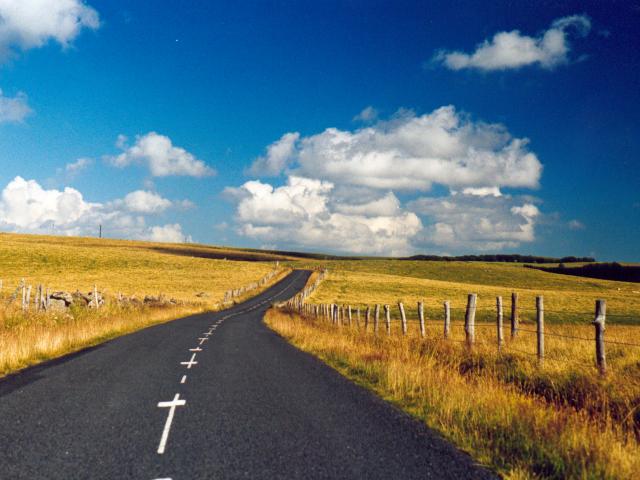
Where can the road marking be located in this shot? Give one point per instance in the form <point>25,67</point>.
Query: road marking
<point>202,340</point>
<point>197,349</point>
<point>190,362</point>
<point>176,402</point>
<point>183,379</point>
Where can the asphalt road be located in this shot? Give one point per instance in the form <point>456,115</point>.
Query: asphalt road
<point>163,403</point>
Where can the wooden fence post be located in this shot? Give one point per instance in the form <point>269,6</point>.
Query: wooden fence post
<point>387,318</point>
<point>403,317</point>
<point>358,317</point>
<point>421,318</point>
<point>499,323</point>
<point>447,319</point>
<point>470,320</point>
<point>24,294</point>
<point>367,314</point>
<point>95,296</point>
<point>599,323</point>
<point>514,315</point>
<point>540,328</point>
<point>376,317</point>
<point>349,310</point>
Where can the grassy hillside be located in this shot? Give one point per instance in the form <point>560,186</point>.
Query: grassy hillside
<point>567,298</point>
<point>196,276</point>
<point>133,268</point>
<point>560,419</point>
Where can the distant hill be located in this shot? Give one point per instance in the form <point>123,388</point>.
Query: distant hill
<point>603,271</point>
<point>502,258</point>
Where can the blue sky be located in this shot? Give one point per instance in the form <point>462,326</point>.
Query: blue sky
<point>350,127</point>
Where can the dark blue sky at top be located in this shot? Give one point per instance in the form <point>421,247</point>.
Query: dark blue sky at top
<point>225,79</point>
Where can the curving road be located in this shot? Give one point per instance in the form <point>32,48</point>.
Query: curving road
<point>209,396</point>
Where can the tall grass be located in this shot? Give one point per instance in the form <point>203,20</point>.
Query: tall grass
<point>31,338</point>
<point>197,276</point>
<point>556,421</point>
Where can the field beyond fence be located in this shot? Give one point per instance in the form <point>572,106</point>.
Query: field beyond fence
<point>533,389</point>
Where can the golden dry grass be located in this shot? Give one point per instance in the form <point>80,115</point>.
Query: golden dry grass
<point>133,268</point>
<point>558,421</point>
<point>567,298</point>
<point>196,276</point>
<point>27,340</point>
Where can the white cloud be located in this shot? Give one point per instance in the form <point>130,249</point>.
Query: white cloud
<point>472,222</point>
<point>25,206</point>
<point>510,50</point>
<point>142,201</point>
<point>368,114</point>
<point>303,213</point>
<point>79,165</point>
<point>483,191</point>
<point>161,156</point>
<point>412,152</point>
<point>26,24</point>
<point>278,155</point>
<point>171,233</point>
<point>388,205</point>
<point>14,109</point>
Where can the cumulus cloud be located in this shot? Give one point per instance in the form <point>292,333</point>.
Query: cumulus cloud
<point>171,233</point>
<point>142,201</point>
<point>277,157</point>
<point>512,50</point>
<point>14,109</point>
<point>341,187</point>
<point>472,222</point>
<point>161,157</point>
<point>302,213</point>
<point>25,206</point>
<point>26,24</point>
<point>410,152</point>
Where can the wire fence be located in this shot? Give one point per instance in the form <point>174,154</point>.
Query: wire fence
<point>567,343</point>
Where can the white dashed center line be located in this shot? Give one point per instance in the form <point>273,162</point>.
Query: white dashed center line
<point>191,362</point>
<point>176,402</point>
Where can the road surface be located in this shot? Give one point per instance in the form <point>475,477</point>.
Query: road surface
<point>210,396</point>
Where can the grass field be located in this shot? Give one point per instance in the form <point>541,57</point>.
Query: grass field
<point>558,420</point>
<point>567,298</point>
<point>196,276</point>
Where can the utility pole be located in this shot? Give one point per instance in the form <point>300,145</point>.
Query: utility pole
<point>100,231</point>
